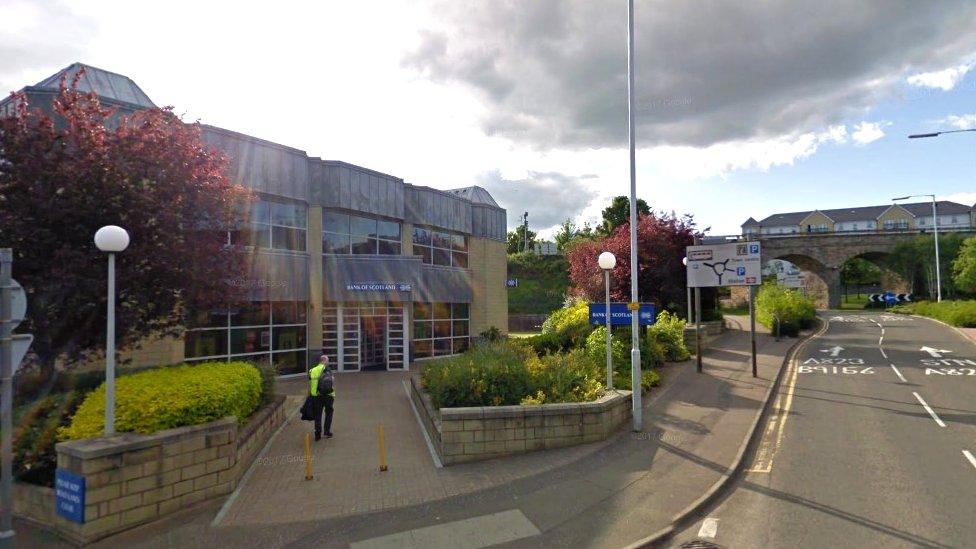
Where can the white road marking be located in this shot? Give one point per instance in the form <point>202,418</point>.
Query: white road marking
<point>880,340</point>
<point>901,377</point>
<point>936,353</point>
<point>834,351</point>
<point>970,457</point>
<point>883,353</point>
<point>481,531</point>
<point>929,410</point>
<point>709,528</point>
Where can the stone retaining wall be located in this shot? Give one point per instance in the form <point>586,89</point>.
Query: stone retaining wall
<point>710,330</point>
<point>133,479</point>
<point>470,434</point>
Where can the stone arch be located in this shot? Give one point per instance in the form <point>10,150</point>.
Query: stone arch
<point>823,281</point>
<point>890,280</point>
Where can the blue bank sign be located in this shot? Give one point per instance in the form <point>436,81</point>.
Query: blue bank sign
<point>379,287</point>
<point>69,495</point>
<point>620,315</point>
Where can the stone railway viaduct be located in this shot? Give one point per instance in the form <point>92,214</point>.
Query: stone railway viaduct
<point>821,255</point>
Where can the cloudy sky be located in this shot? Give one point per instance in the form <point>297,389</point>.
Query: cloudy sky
<point>743,108</point>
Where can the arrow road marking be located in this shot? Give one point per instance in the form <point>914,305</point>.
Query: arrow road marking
<point>929,410</point>
<point>834,351</point>
<point>936,353</point>
<point>709,528</point>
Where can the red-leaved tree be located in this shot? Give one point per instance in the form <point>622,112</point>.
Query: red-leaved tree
<point>661,241</point>
<point>67,173</point>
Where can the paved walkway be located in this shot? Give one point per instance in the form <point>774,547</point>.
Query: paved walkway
<point>607,494</point>
<point>347,480</point>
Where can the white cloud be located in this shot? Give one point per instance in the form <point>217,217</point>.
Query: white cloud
<point>944,80</point>
<point>868,132</point>
<point>962,122</point>
<point>962,198</point>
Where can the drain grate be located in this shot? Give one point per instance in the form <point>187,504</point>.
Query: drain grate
<point>699,544</point>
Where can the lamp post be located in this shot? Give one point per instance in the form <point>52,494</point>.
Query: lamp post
<point>111,239</point>
<point>935,233</point>
<point>635,366</point>
<point>607,262</point>
<point>684,261</point>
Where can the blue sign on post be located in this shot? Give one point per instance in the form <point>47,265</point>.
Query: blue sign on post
<point>620,315</point>
<point>69,495</point>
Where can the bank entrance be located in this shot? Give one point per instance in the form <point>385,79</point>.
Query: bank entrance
<point>365,335</point>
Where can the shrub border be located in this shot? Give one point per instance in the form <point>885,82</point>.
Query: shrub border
<point>243,441</point>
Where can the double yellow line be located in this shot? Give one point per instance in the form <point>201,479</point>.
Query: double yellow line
<point>776,424</point>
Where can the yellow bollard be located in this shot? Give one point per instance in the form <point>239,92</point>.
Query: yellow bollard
<point>308,456</point>
<point>382,449</point>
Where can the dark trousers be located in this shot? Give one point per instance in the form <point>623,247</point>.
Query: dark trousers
<point>320,402</point>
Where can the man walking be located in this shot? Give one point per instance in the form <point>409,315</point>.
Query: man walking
<point>321,385</point>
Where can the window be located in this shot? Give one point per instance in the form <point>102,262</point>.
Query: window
<point>260,331</point>
<point>353,234</point>
<point>440,248</point>
<point>895,224</point>
<point>275,225</point>
<point>440,329</point>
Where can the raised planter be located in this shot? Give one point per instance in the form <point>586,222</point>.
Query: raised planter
<point>471,434</point>
<point>133,479</point>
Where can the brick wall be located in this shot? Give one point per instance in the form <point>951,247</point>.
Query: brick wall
<point>133,479</point>
<point>471,434</point>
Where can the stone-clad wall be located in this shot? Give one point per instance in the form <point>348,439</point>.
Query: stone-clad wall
<point>471,434</point>
<point>132,479</point>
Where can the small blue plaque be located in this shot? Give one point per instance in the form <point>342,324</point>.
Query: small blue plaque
<point>69,495</point>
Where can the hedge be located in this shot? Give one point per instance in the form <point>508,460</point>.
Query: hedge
<point>954,313</point>
<point>789,308</point>
<point>171,397</point>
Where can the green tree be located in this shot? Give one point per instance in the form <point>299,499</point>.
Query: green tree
<point>859,272</point>
<point>516,240</point>
<point>566,233</point>
<point>618,213</point>
<point>964,266</point>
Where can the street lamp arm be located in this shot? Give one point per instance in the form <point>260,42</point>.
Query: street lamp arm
<point>937,134</point>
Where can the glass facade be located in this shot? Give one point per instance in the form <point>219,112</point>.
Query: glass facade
<point>262,331</point>
<point>440,248</point>
<point>344,233</point>
<point>272,225</point>
<point>440,329</point>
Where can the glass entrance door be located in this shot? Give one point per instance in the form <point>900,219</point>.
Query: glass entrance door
<point>372,333</point>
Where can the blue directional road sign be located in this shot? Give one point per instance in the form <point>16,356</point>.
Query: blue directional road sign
<point>620,315</point>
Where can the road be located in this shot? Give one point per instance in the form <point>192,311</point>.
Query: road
<point>871,443</point>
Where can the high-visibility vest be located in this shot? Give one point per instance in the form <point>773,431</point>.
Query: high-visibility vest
<point>313,380</point>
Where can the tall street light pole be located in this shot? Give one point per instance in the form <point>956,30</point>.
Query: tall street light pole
<point>635,366</point>
<point>111,239</point>
<point>934,215</point>
<point>935,232</point>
